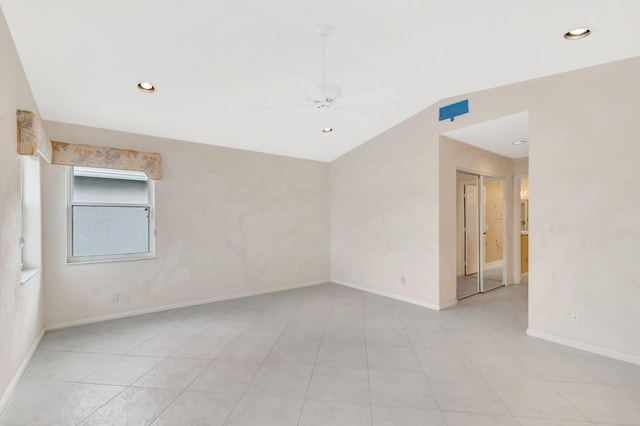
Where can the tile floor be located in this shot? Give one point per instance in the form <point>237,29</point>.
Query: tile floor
<point>323,355</point>
<point>467,285</point>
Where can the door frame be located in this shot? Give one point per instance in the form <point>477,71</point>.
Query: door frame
<point>517,182</point>
<point>481,221</point>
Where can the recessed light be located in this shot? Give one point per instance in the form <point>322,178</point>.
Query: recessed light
<point>146,87</point>
<point>327,130</point>
<point>577,33</point>
<point>518,142</point>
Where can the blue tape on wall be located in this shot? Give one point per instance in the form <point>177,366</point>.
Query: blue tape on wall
<point>450,112</point>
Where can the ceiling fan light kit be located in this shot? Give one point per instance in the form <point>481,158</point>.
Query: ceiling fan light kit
<point>324,95</point>
<point>577,33</point>
<point>324,30</point>
<point>146,87</point>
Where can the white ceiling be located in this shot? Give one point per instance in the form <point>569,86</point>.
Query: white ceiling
<point>497,135</point>
<point>213,61</point>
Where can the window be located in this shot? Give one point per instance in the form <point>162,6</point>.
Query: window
<point>30,226</point>
<point>110,215</point>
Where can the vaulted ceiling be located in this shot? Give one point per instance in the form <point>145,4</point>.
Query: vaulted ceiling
<point>216,64</point>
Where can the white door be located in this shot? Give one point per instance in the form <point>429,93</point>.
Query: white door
<point>471,229</point>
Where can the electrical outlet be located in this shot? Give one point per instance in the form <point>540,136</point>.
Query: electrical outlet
<point>115,297</point>
<point>574,317</point>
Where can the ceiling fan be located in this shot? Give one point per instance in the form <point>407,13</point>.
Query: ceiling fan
<point>326,96</point>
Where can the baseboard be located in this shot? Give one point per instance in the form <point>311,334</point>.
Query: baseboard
<point>394,296</point>
<point>448,304</point>
<point>16,377</point>
<point>92,320</point>
<point>610,353</point>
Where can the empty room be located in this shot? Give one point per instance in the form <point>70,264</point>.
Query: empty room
<point>333,213</point>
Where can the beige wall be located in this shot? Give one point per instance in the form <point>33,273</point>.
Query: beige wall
<point>521,166</point>
<point>583,214</point>
<point>20,304</point>
<point>583,134</point>
<point>393,211</point>
<point>228,223</point>
<point>384,202</point>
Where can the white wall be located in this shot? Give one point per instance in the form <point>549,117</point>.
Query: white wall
<point>20,304</point>
<point>583,136</point>
<point>228,223</point>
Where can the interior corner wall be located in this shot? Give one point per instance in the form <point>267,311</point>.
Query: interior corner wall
<point>521,166</point>
<point>384,202</point>
<point>456,155</point>
<point>21,308</point>
<point>228,223</point>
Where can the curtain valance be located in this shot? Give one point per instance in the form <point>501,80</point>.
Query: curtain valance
<point>32,139</point>
<point>70,154</point>
<point>31,136</point>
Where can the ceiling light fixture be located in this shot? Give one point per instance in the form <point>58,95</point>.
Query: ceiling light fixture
<point>518,142</point>
<point>327,130</point>
<point>577,33</point>
<point>146,87</point>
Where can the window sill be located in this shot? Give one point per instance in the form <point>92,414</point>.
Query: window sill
<point>27,274</point>
<point>71,261</point>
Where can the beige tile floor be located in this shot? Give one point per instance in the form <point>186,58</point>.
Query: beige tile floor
<point>323,355</point>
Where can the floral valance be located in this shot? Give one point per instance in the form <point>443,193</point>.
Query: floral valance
<point>31,136</point>
<point>109,158</point>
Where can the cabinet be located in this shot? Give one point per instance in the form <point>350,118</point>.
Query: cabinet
<point>524,253</point>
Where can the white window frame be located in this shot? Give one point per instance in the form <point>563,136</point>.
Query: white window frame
<point>30,226</point>
<point>72,260</point>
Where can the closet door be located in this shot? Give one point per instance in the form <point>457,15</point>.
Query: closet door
<point>493,230</point>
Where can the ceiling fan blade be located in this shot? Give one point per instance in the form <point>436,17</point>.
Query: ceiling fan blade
<point>311,88</point>
<point>371,97</point>
<point>279,107</point>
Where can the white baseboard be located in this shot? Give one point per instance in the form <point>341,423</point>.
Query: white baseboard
<point>448,304</point>
<point>16,377</point>
<point>396,296</point>
<point>633,359</point>
<point>92,320</point>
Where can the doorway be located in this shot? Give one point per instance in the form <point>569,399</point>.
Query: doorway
<point>524,230</point>
<point>480,233</point>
